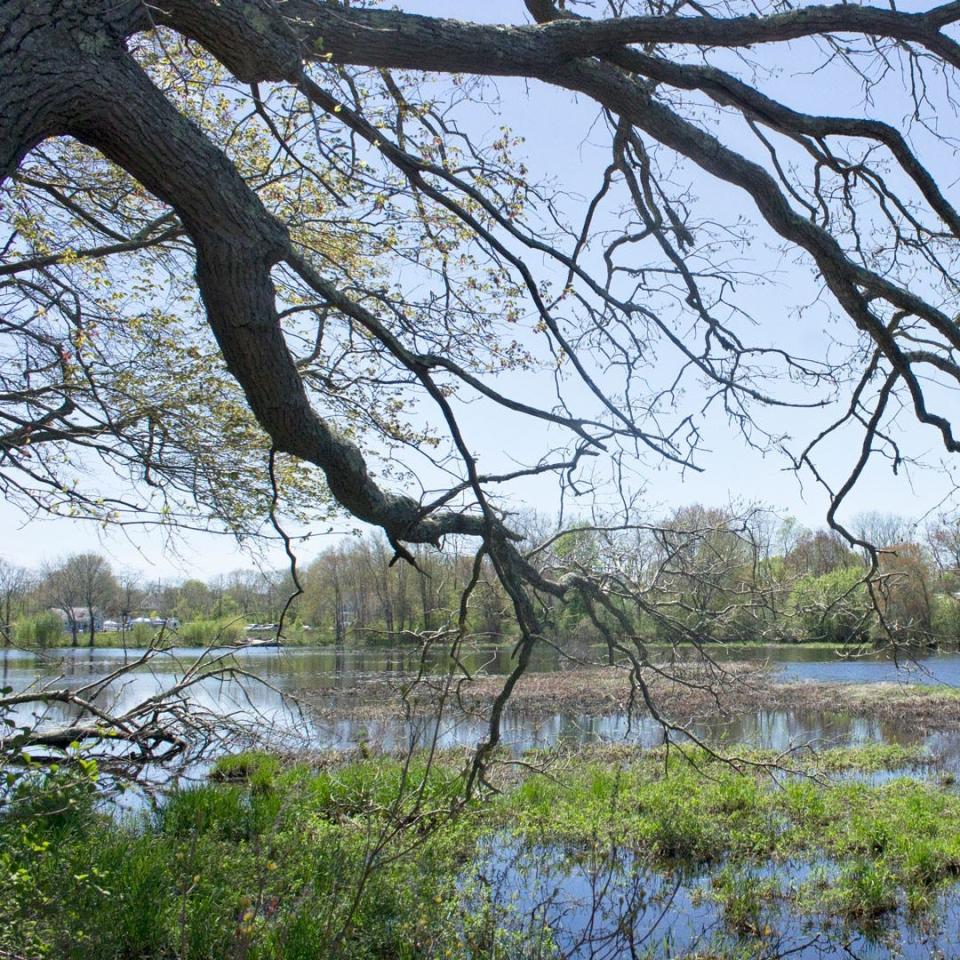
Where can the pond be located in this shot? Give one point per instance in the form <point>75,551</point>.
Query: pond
<point>603,904</point>
<point>333,681</point>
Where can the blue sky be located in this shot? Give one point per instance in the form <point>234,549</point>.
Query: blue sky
<point>560,143</point>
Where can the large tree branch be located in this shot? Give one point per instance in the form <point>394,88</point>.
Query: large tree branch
<point>379,38</point>
<point>237,242</point>
<point>105,100</point>
<point>72,76</point>
<point>390,38</point>
<point>116,109</point>
<point>372,36</point>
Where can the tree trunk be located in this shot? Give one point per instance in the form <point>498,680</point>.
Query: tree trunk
<point>426,605</point>
<point>339,617</point>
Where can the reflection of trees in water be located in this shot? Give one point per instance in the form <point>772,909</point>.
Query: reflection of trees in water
<point>339,683</point>
<point>133,713</point>
<point>600,903</point>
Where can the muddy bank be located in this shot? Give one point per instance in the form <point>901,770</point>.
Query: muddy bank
<point>689,695</point>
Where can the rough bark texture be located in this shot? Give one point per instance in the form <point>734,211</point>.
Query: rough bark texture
<point>66,72</point>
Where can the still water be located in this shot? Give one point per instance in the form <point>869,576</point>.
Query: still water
<point>332,681</point>
<point>601,904</point>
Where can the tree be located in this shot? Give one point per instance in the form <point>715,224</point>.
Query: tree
<point>97,585</point>
<point>62,592</point>
<point>904,590</point>
<point>246,589</point>
<point>943,539</point>
<point>129,597</point>
<point>819,552</point>
<point>835,607</point>
<point>704,554</point>
<point>884,529</point>
<point>357,252</point>
<point>325,600</point>
<point>14,583</point>
<point>193,600</point>
<point>82,584</point>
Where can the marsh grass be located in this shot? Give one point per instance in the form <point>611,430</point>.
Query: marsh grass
<point>272,860</point>
<point>603,692</point>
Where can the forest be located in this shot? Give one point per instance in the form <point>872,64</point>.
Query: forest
<point>705,574</point>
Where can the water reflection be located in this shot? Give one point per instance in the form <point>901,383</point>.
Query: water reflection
<point>601,903</point>
<point>597,903</point>
<point>335,679</point>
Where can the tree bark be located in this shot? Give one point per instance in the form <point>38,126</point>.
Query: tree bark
<point>69,73</point>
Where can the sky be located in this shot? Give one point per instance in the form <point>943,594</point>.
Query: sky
<point>559,143</point>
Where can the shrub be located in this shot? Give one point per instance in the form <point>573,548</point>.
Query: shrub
<point>946,618</point>
<point>205,633</point>
<point>42,630</point>
<point>835,607</point>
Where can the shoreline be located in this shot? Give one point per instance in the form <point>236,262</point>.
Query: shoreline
<point>112,641</point>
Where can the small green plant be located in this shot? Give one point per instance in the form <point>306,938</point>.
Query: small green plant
<point>742,893</point>
<point>865,890</point>
<point>257,769</point>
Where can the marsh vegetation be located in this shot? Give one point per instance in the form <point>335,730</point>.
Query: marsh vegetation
<point>820,817</point>
<point>613,853</point>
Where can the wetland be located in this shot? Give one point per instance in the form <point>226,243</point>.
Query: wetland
<point>810,813</point>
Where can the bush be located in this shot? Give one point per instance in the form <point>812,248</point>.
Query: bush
<point>205,633</point>
<point>142,634</point>
<point>946,618</point>
<point>835,607</point>
<point>42,630</point>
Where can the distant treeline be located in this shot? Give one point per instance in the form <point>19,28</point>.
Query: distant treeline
<point>700,573</point>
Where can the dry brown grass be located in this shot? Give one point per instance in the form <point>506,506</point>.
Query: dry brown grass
<point>697,693</point>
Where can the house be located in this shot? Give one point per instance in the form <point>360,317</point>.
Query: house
<point>77,619</point>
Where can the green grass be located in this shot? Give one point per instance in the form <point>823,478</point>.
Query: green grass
<point>742,894</point>
<point>891,845</point>
<point>260,863</point>
<point>269,861</point>
<point>870,758</point>
<point>195,633</point>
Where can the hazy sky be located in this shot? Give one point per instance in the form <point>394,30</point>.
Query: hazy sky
<point>559,144</point>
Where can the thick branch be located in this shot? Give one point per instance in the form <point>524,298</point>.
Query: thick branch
<point>388,38</point>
